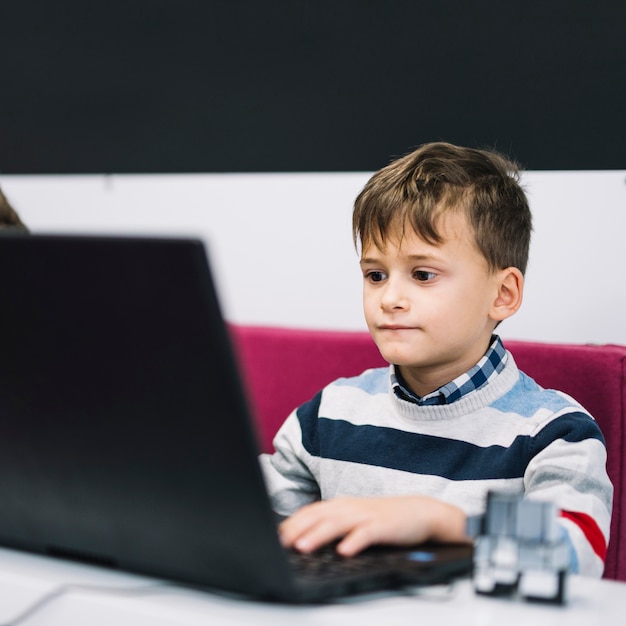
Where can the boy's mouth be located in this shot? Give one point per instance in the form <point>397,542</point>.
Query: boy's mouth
<point>395,327</point>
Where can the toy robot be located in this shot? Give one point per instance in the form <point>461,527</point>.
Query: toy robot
<point>520,549</point>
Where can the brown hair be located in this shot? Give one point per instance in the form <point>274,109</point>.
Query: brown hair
<point>417,189</point>
<point>8,215</point>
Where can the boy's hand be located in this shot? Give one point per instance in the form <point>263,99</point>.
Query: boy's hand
<point>362,522</point>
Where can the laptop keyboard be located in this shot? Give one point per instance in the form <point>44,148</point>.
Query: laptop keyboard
<point>327,563</point>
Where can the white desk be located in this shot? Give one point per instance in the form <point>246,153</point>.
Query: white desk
<point>25,578</point>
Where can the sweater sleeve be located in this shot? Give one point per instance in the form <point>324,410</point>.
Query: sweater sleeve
<point>568,467</point>
<point>290,471</point>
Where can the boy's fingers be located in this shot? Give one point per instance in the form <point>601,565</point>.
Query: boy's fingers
<point>317,536</point>
<point>358,539</point>
<point>314,526</point>
<point>312,537</point>
<point>304,530</point>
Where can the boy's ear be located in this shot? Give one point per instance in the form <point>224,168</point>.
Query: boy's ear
<point>510,284</point>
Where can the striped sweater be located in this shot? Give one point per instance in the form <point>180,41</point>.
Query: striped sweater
<point>357,437</point>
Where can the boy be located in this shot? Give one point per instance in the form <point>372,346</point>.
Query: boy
<point>404,454</point>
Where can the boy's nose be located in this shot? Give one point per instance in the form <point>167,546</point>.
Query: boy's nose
<point>393,296</point>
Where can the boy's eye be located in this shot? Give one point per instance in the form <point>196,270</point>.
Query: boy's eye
<point>375,276</point>
<point>424,276</point>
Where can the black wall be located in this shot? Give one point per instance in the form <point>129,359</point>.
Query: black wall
<point>307,85</point>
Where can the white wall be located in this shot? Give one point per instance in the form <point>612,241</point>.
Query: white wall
<point>282,250</point>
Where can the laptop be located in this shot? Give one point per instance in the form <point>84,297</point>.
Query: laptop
<point>126,437</point>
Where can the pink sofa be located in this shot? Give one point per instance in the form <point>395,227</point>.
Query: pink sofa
<point>285,367</point>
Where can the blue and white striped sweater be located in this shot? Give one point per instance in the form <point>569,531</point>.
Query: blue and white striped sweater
<point>358,438</point>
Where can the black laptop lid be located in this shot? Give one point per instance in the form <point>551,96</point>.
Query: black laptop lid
<point>123,428</point>
<point>125,436</point>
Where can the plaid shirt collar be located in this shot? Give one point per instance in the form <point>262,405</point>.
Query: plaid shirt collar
<point>478,376</point>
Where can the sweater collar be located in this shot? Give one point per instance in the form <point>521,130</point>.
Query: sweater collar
<point>489,366</point>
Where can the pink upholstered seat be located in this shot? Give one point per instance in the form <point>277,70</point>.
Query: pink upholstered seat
<point>285,367</point>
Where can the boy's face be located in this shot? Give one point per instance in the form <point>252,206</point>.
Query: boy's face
<point>428,307</point>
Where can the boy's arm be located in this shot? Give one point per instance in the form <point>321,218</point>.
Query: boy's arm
<point>570,471</point>
<point>362,522</point>
<point>289,472</point>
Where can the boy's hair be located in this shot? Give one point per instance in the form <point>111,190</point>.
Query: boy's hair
<point>438,178</point>
<point>8,215</point>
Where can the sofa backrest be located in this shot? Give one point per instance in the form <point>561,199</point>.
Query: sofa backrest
<point>283,368</point>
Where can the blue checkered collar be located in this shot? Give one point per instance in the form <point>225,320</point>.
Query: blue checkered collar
<point>478,376</point>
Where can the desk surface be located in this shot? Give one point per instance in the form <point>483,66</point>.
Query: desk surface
<point>120,598</point>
